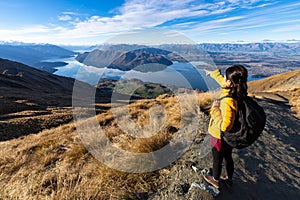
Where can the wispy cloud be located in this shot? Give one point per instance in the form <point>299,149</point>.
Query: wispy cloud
<point>34,33</point>
<point>276,16</point>
<point>151,13</point>
<point>220,11</point>
<point>64,18</point>
<point>266,19</point>
<point>134,15</point>
<point>71,13</point>
<point>212,25</point>
<point>187,16</point>
<point>146,13</point>
<point>290,28</point>
<point>26,30</point>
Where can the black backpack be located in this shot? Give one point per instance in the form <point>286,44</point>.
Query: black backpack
<point>248,125</point>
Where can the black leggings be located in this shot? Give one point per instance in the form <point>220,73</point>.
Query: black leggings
<point>226,153</point>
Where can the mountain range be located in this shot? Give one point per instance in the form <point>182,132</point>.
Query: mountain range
<point>211,47</point>
<point>262,59</point>
<point>253,47</point>
<point>35,55</point>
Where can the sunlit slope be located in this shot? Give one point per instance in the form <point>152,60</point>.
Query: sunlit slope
<point>281,87</point>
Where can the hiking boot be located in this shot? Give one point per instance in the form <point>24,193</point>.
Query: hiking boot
<point>210,179</point>
<point>227,181</point>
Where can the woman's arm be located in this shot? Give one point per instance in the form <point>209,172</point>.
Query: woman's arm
<point>218,77</point>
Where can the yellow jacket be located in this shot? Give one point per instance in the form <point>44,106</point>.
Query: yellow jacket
<point>222,118</point>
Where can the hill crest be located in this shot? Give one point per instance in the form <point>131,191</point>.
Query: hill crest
<point>280,87</point>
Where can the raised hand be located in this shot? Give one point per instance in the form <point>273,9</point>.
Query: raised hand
<point>207,72</point>
<point>216,103</point>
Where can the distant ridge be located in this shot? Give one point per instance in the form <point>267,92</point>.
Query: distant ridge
<point>215,47</point>
<point>252,47</point>
<point>34,54</point>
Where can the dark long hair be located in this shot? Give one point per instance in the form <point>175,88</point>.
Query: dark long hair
<point>237,74</point>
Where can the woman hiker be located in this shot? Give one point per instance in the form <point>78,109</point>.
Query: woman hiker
<point>223,113</point>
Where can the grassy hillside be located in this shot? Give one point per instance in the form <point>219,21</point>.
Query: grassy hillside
<point>282,87</point>
<point>32,100</point>
<point>54,164</point>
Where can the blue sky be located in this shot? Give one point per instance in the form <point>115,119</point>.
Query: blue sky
<point>91,22</point>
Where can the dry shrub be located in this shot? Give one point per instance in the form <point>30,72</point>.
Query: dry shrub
<point>295,100</point>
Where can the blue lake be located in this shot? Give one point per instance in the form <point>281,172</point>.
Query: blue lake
<point>177,74</point>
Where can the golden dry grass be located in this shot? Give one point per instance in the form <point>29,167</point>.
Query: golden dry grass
<point>295,100</point>
<point>54,164</point>
<point>286,85</point>
<point>279,82</point>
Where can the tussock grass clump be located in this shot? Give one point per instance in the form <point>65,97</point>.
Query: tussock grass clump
<point>295,100</point>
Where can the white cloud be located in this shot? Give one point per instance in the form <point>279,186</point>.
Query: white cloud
<point>132,15</point>
<point>70,13</point>
<point>32,34</point>
<point>220,11</point>
<point>233,1</point>
<point>137,14</point>
<point>65,18</point>
<point>243,1</point>
<point>290,28</point>
<point>263,5</point>
<point>26,30</point>
<point>224,23</point>
<point>221,3</point>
